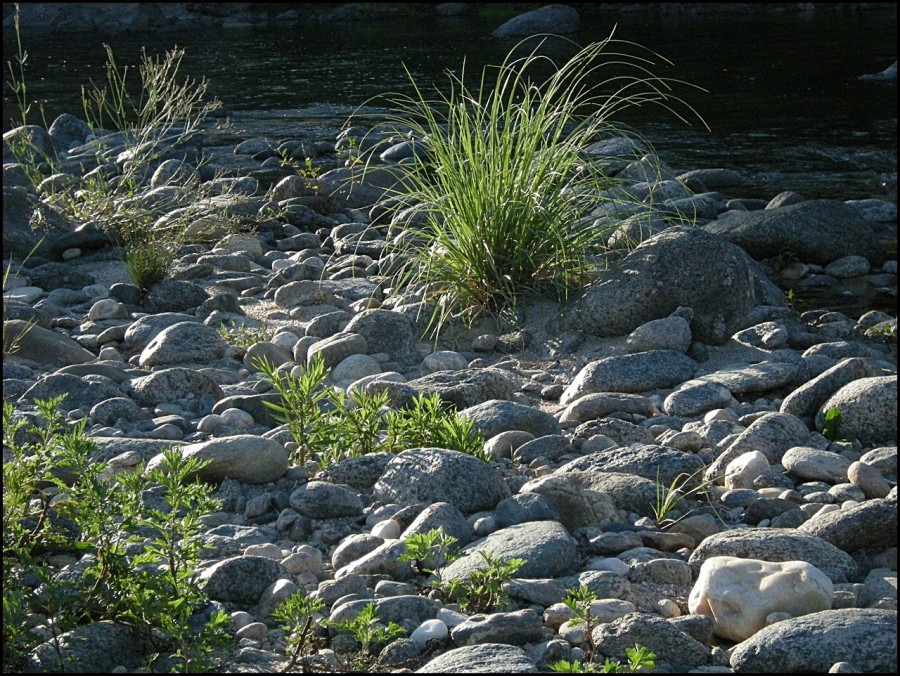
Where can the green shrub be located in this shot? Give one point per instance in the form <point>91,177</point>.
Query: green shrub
<point>483,590</point>
<point>328,424</point>
<point>431,550</point>
<point>505,183</point>
<point>136,560</point>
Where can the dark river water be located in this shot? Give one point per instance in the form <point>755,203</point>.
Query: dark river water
<point>783,100</point>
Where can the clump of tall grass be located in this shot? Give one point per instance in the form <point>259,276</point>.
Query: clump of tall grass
<point>505,182</point>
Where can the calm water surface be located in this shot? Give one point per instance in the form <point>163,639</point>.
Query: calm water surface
<point>783,100</point>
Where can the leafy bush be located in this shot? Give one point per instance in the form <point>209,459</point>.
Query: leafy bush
<point>483,590</point>
<point>328,424</point>
<point>503,180</point>
<point>136,553</point>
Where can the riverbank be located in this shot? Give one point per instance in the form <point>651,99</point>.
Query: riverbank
<point>684,365</point>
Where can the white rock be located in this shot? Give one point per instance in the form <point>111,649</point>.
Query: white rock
<point>739,594</point>
<point>387,529</point>
<point>428,630</point>
<point>741,471</point>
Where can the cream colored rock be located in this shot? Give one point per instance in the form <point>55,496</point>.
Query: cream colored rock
<point>739,594</point>
<point>741,471</point>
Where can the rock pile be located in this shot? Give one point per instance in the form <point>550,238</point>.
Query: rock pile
<point>681,368</point>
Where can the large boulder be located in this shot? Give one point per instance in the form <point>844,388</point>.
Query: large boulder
<point>440,475</point>
<point>864,639</point>
<point>817,231</point>
<point>680,267</point>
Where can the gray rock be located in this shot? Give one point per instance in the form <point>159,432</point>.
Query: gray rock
<point>67,132</point>
<point>546,547</point>
<point>354,547</point>
<point>674,649</point>
<point>323,500</point>
<point>43,346</point>
<point>868,409</point>
<point>172,384</point>
<point>668,333</point>
<point>628,491</point>
<point>355,189</point>
<point>763,376</point>
<point>254,404</point>
<point>631,373</point>
<point>95,648</point>
<point>864,638</point>
<point>772,434</point>
<point>19,206</point>
<point>242,457</point>
<point>81,393</point>
<point>51,276</point>
<point>805,401</point>
<point>447,518</point>
<point>486,658</point>
<point>360,473</point>
<point>869,525</point>
<point>695,397</point>
<point>576,505</point>
<point>841,349</point>
<point>354,367</point>
<point>301,293</point>
<point>515,628</point>
<point>172,295</point>
<point>813,464</point>
<point>494,416</point>
<point>649,461</point>
<point>266,350</point>
<point>721,285</point>
<point>397,609</point>
<point>767,335</point>
<point>868,482</point>
<point>108,411</point>
<point>183,343</point>
<point>602,404</point>
<point>558,19</point>
<point>385,331</point>
<point>334,349</point>
<point>816,231</point>
<point>384,560</point>
<point>467,387</point>
<point>145,329</point>
<point>541,592</point>
<point>549,446</point>
<point>241,579</point>
<point>445,360</point>
<point>439,475</point>
<point>884,459</point>
<point>778,544</point>
<point>620,432</point>
<point>524,507</point>
<point>848,267</point>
